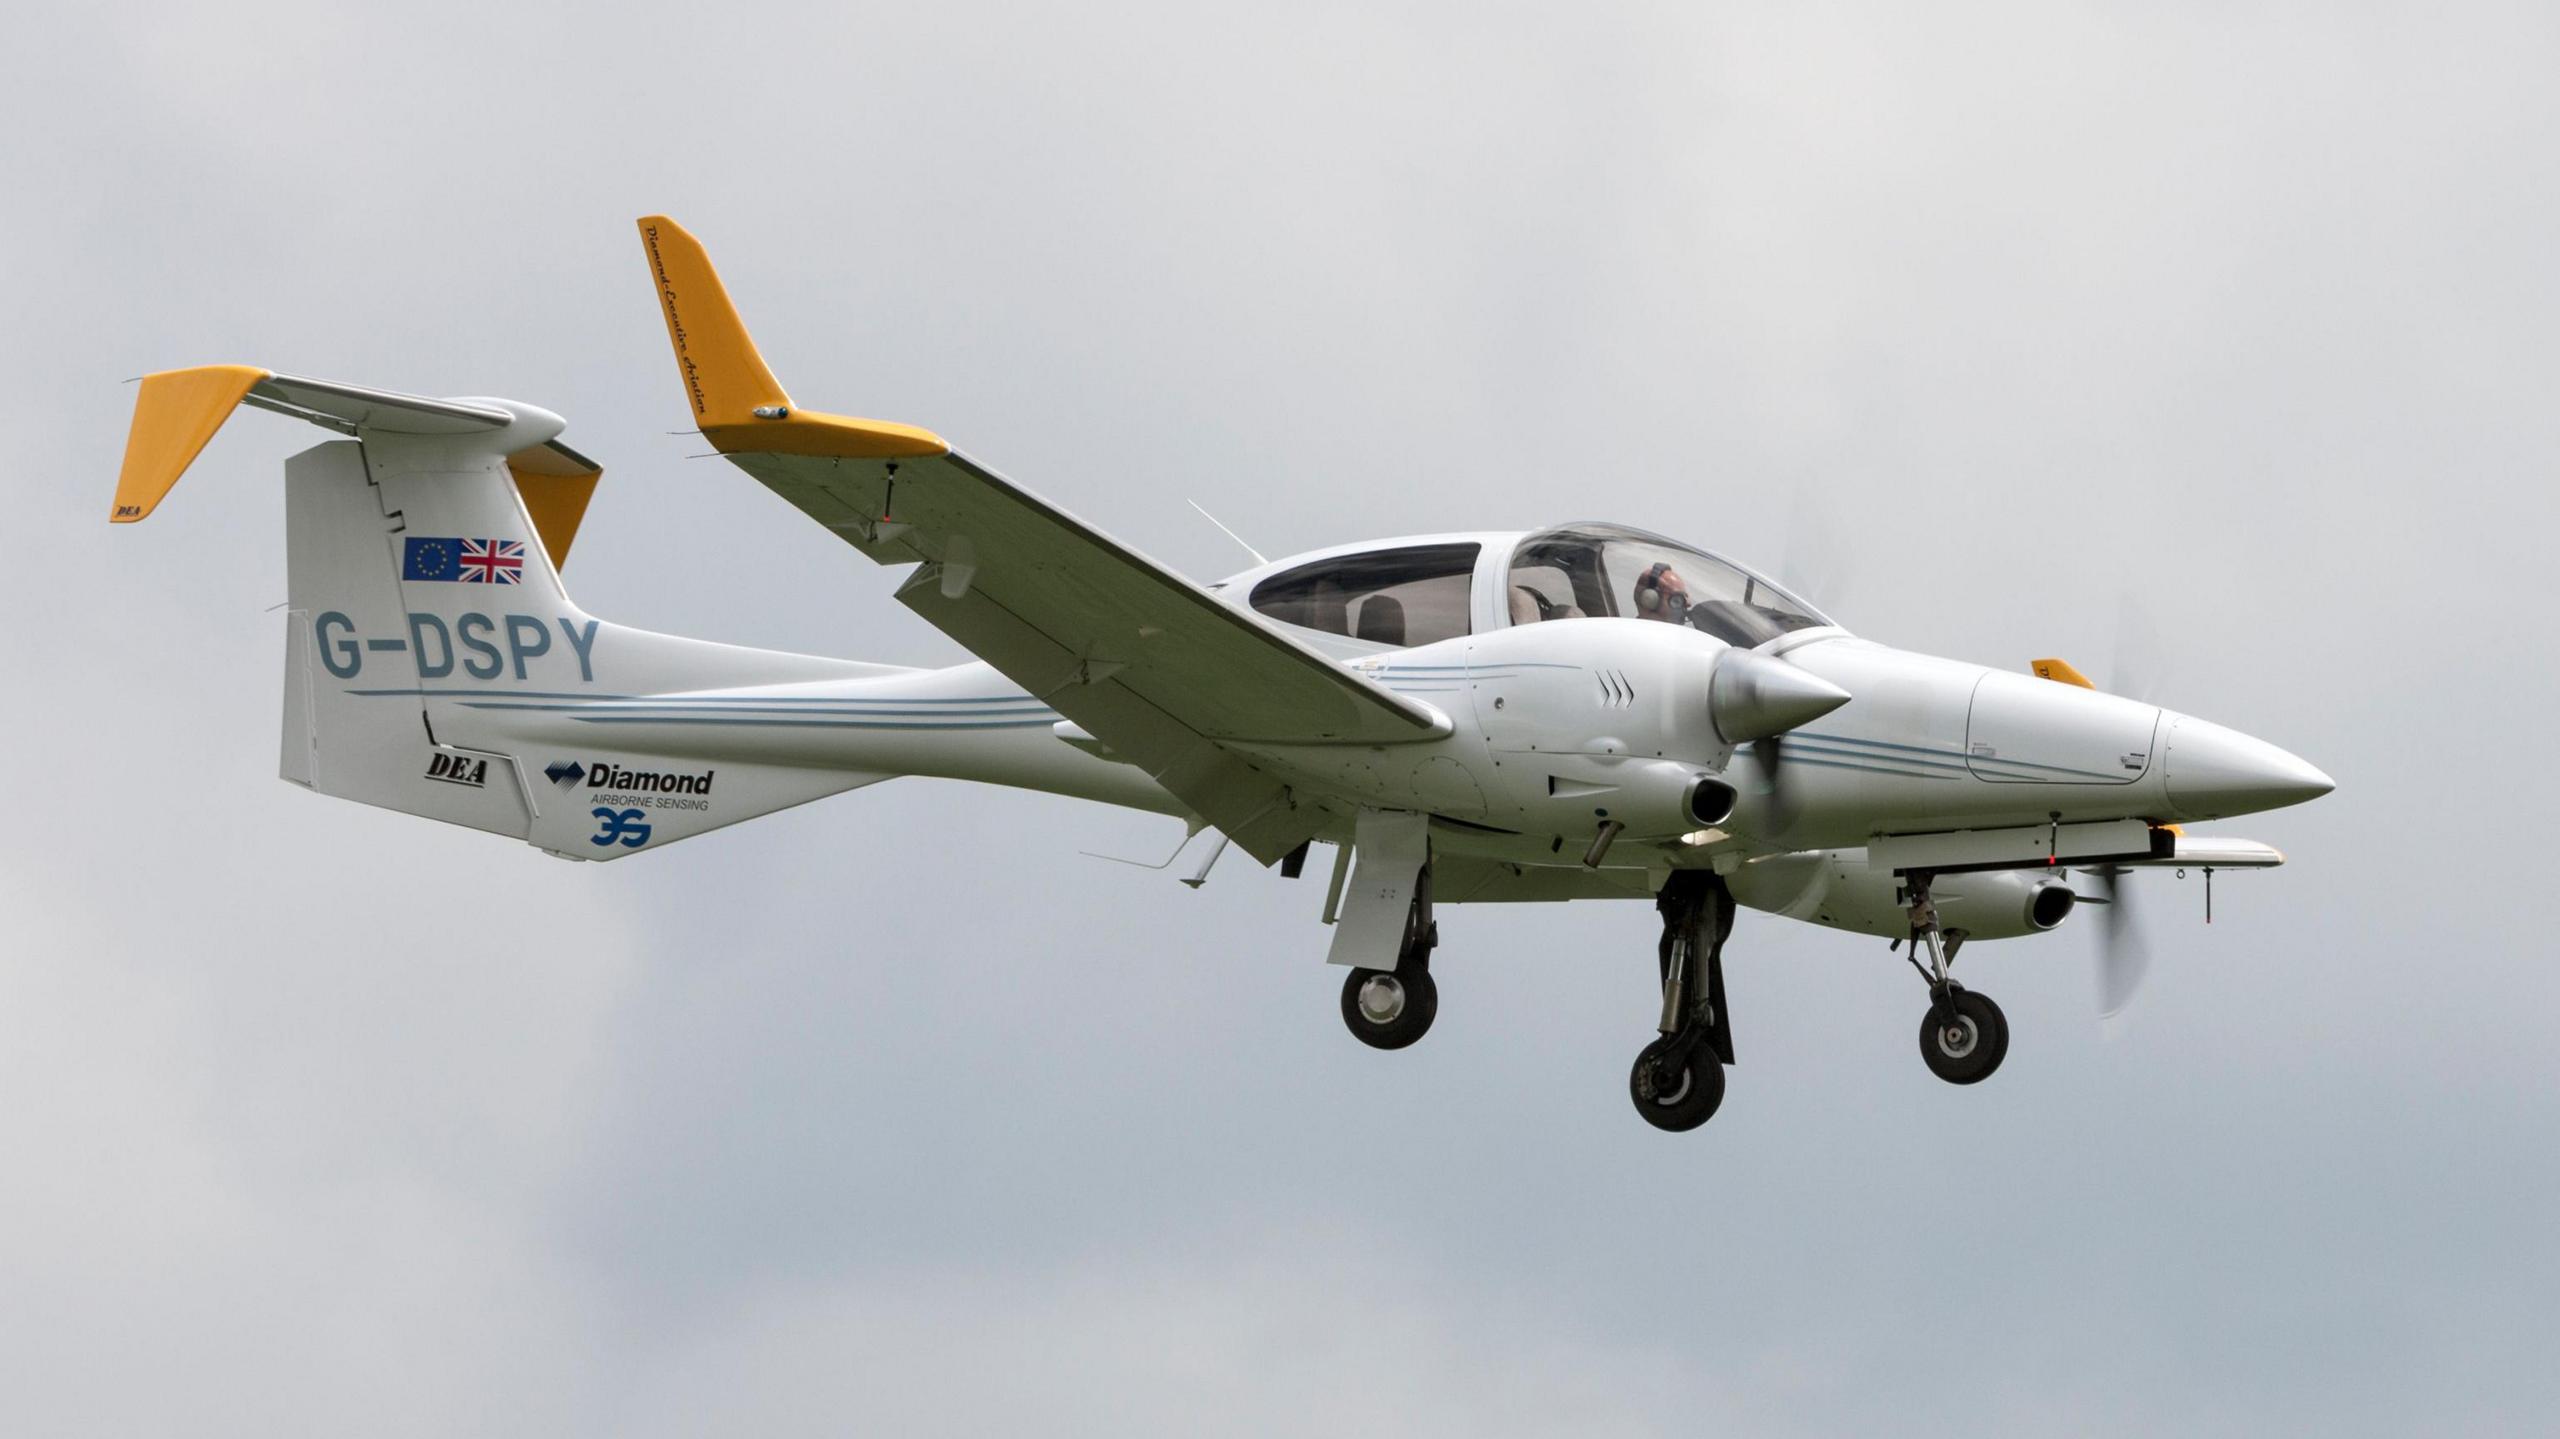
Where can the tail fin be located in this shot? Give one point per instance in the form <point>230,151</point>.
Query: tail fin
<point>434,662</point>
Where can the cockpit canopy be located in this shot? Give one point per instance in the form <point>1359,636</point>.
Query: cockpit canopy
<point>1592,569</point>
<point>1428,589</point>
<point>1410,595</point>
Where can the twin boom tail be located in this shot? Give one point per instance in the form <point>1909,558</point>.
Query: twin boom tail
<point>435,665</point>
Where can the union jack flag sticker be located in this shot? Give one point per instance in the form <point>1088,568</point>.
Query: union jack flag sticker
<point>492,562</point>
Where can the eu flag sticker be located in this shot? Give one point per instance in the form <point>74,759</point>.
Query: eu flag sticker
<point>428,558</point>
<point>463,560</point>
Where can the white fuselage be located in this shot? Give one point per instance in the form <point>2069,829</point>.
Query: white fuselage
<point>1554,729</point>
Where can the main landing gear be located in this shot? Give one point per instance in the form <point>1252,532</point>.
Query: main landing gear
<point>1391,1008</point>
<point>1679,1078</point>
<point>1964,1036</point>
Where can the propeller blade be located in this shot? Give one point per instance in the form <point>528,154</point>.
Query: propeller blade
<point>1816,561</point>
<point>2123,955</point>
<point>2141,662</point>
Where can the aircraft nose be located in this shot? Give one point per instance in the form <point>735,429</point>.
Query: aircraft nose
<point>2214,772</point>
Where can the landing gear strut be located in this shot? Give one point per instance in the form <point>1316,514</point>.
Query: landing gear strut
<point>1964,1036</point>
<point>1679,1078</point>
<point>1391,1008</point>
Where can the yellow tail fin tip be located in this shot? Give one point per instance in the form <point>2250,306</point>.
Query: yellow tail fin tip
<point>175,414</point>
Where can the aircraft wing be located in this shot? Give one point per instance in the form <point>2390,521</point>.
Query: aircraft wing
<point>1159,671</point>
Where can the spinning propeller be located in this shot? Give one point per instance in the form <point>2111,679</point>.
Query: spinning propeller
<point>2124,956</point>
<point>1818,566</point>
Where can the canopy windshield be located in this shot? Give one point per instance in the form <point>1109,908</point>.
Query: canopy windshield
<point>1595,570</point>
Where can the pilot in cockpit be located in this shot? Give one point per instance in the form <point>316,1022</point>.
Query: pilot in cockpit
<point>1662,595</point>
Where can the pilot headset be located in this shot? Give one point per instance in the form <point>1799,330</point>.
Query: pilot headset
<point>1649,595</point>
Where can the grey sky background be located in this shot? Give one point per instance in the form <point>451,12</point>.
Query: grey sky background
<point>893,1115</point>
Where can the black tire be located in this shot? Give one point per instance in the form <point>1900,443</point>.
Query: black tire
<point>1395,1012</point>
<point>1963,1037</point>
<point>1683,1098</point>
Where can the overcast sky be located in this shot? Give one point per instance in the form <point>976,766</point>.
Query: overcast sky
<point>2208,345</point>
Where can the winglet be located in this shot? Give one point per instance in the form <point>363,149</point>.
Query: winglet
<point>724,377</point>
<point>174,415</point>
<point>739,405</point>
<point>2060,672</point>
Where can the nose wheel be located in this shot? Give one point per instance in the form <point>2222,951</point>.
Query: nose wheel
<point>1964,1036</point>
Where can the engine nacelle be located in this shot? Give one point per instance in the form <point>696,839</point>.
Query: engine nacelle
<point>1836,887</point>
<point>1652,798</point>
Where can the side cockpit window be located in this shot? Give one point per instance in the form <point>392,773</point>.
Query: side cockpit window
<point>1406,597</point>
<point>1607,570</point>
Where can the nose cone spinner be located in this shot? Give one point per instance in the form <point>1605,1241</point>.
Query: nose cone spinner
<point>1754,696</point>
<point>2215,772</point>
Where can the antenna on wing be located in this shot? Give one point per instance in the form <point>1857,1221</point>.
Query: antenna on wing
<point>1230,534</point>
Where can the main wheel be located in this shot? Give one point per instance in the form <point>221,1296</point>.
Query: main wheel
<point>1677,1094</point>
<point>1963,1037</point>
<point>1389,1008</point>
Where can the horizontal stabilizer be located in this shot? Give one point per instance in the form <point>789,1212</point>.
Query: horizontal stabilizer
<point>178,412</point>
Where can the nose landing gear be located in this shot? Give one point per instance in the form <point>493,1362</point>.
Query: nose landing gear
<point>1964,1036</point>
<point>1678,1079</point>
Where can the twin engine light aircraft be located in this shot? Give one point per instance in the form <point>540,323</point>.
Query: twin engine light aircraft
<point>1585,712</point>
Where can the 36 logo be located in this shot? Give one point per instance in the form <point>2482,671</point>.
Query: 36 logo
<point>626,827</point>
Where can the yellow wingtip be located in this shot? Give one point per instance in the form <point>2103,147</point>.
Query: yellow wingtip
<point>738,404</point>
<point>175,414</point>
<point>725,380</point>
<point>2060,672</point>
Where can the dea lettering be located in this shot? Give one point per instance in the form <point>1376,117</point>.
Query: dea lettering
<point>469,771</point>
